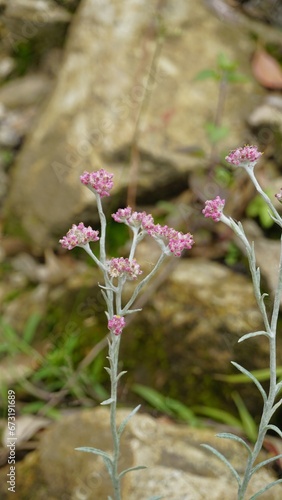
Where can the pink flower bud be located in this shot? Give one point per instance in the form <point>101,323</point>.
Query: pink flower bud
<point>214,208</point>
<point>116,324</point>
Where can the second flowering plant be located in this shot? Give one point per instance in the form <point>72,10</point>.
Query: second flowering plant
<point>247,158</point>
<point>116,272</point>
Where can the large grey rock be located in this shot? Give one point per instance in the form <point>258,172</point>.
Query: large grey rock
<point>115,55</point>
<point>179,468</point>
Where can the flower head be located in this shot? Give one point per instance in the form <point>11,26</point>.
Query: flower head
<point>118,267</point>
<point>101,181</point>
<point>133,219</point>
<point>279,196</point>
<point>175,241</point>
<point>214,208</point>
<point>244,157</point>
<point>79,236</point>
<point>116,324</point>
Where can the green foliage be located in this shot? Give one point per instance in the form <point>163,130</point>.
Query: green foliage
<point>166,405</point>
<point>240,378</point>
<point>248,424</point>
<point>53,371</point>
<point>215,132</point>
<point>175,409</point>
<point>219,416</point>
<point>233,254</point>
<point>6,157</point>
<point>258,208</point>
<point>24,56</point>
<point>226,69</point>
<point>223,176</point>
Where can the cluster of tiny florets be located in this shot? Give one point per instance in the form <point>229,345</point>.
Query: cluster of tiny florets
<point>214,208</point>
<point>101,181</point>
<point>116,324</point>
<point>79,236</point>
<point>242,157</point>
<point>118,267</point>
<point>132,218</point>
<point>170,240</point>
<point>175,240</point>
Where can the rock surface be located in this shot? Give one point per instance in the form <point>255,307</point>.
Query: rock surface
<point>98,110</point>
<point>179,468</point>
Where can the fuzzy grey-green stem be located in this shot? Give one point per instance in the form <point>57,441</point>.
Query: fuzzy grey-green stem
<point>271,328</point>
<point>114,344</point>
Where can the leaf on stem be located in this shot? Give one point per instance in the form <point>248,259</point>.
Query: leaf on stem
<point>121,374</point>
<point>278,387</point>
<point>253,334</point>
<point>252,377</point>
<point>265,462</point>
<point>124,422</point>
<point>275,407</point>
<point>109,465</point>
<point>96,451</point>
<point>229,435</point>
<point>274,428</point>
<point>265,489</point>
<point>107,401</point>
<point>224,460</point>
<point>130,469</point>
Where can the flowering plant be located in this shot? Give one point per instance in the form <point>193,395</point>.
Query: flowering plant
<point>116,272</point>
<point>247,158</point>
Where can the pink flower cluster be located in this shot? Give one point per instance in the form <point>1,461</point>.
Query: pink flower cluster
<point>118,267</point>
<point>133,219</point>
<point>116,324</point>
<point>101,181</point>
<point>214,208</point>
<point>244,157</point>
<point>175,240</point>
<point>79,236</point>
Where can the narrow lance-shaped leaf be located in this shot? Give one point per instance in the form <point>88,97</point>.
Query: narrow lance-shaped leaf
<point>124,422</point>
<point>260,492</point>
<point>107,401</point>
<point>266,462</point>
<point>251,376</point>
<point>275,429</point>
<point>131,469</point>
<point>229,435</point>
<point>224,460</point>
<point>96,451</point>
<point>253,334</point>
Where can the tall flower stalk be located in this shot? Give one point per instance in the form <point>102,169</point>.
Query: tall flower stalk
<point>247,158</point>
<point>116,272</point>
